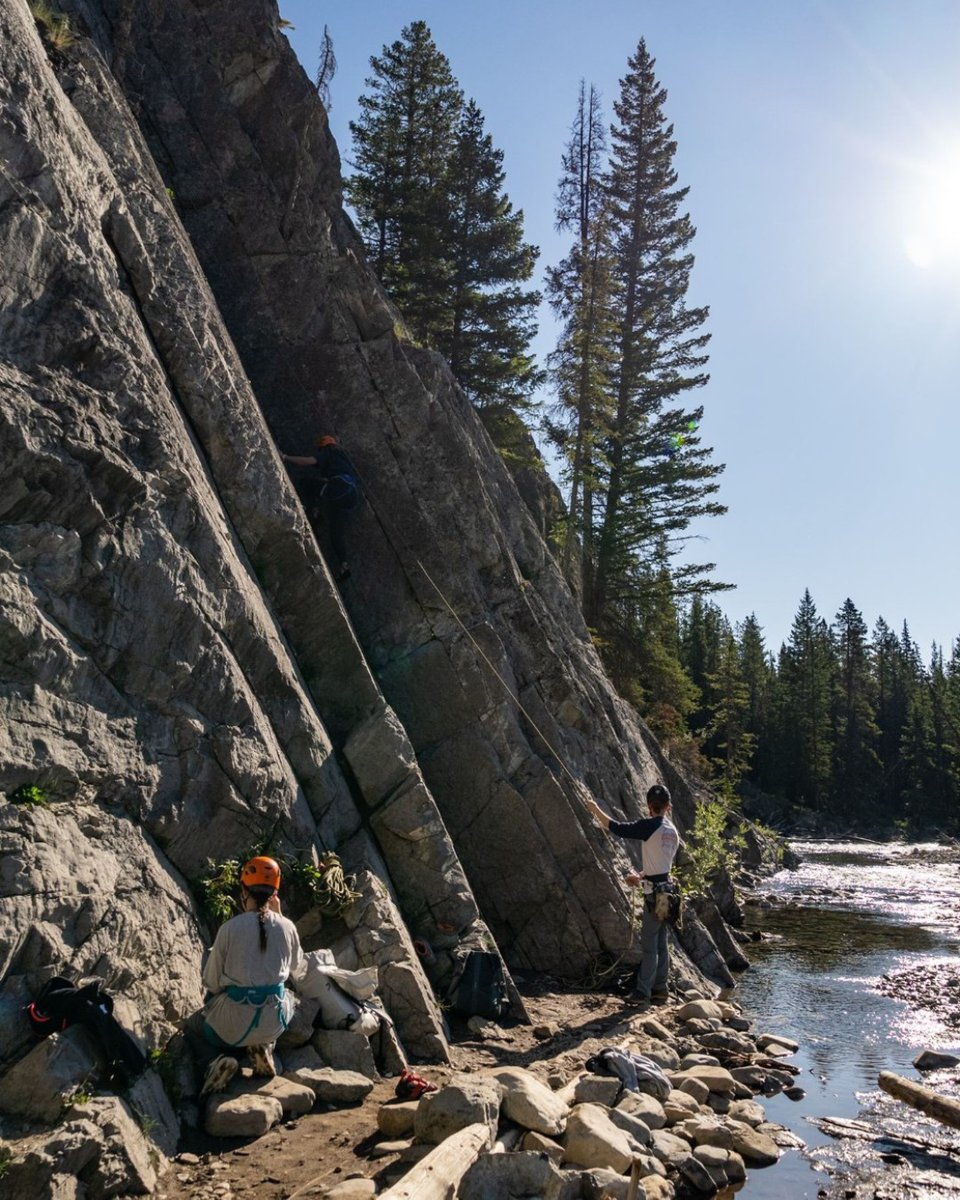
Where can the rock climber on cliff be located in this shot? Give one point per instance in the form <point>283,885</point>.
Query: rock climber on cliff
<point>253,956</point>
<point>339,492</point>
<point>660,843</point>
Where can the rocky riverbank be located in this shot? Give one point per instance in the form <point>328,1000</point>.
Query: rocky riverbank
<point>572,1131</point>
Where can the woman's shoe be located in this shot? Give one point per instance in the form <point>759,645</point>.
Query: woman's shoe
<point>261,1059</point>
<point>218,1074</point>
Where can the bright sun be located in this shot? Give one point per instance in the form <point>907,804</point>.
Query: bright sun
<point>933,235</point>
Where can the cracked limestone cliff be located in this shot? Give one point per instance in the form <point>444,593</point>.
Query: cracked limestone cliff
<point>181,289</point>
<point>451,576</point>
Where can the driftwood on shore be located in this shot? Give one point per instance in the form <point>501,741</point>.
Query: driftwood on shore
<point>436,1176</point>
<point>941,1108</point>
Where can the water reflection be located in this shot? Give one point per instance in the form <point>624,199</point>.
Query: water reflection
<point>820,938</point>
<point>850,915</point>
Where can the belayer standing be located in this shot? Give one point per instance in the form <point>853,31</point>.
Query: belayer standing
<point>253,956</point>
<point>660,843</point>
<point>339,492</point>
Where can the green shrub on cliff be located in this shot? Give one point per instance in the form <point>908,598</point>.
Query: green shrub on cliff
<point>709,850</point>
<point>54,26</point>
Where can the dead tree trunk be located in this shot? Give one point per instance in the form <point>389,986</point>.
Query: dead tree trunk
<point>436,1176</point>
<point>941,1108</point>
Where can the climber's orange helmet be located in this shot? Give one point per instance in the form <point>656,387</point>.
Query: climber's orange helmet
<point>261,872</point>
<point>325,441</point>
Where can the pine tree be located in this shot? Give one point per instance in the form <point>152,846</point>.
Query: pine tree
<point>650,497</point>
<point>759,676</point>
<point>806,667</point>
<point>326,68</point>
<point>643,658</point>
<point>438,227</point>
<point>931,753</point>
<point>703,633</point>
<point>402,146</point>
<point>729,744</point>
<point>892,697</point>
<point>856,770</point>
<point>491,320</point>
<point>579,290</point>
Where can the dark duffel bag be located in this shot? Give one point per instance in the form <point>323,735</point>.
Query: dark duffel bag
<point>481,991</point>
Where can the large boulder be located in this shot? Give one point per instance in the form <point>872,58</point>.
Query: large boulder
<point>465,1100</point>
<point>592,1140</point>
<point>41,1086</point>
<point>247,1115</point>
<point>530,1103</point>
<point>510,1177</point>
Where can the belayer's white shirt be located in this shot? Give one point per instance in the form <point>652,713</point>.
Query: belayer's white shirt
<point>660,843</point>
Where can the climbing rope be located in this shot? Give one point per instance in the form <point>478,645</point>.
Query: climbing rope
<point>603,968</point>
<point>332,890</point>
<point>506,687</point>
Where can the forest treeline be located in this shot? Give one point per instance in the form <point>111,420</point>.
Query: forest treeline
<point>836,722</point>
<point>849,725</point>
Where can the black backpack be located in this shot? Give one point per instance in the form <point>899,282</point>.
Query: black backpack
<point>61,1004</point>
<point>480,991</point>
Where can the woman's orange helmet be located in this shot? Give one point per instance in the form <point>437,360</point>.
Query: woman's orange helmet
<point>261,872</point>
<point>326,440</point>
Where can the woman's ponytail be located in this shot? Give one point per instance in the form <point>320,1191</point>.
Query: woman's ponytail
<point>261,897</point>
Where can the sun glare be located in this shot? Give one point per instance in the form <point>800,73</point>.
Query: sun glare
<point>933,235</point>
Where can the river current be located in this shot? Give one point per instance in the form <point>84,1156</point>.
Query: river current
<point>853,913</point>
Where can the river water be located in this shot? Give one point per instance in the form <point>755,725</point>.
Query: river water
<point>853,913</point>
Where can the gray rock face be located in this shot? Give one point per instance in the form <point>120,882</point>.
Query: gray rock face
<point>444,523</point>
<point>178,672</point>
<point>39,1086</point>
<point>146,682</point>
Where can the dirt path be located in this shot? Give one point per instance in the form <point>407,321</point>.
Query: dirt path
<point>308,1155</point>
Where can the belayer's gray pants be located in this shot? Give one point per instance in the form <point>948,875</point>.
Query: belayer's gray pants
<point>655,955</point>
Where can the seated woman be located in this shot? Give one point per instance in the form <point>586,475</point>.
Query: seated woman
<point>253,956</point>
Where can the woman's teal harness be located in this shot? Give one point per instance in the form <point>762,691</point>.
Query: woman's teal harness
<point>258,998</point>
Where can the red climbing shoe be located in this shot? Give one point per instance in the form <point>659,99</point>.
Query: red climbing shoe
<point>411,1086</point>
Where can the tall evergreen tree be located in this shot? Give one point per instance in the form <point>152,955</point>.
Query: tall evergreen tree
<point>759,676</point>
<point>492,321</point>
<point>931,753</point>
<point>856,769</point>
<point>729,743</point>
<point>646,668</point>
<point>326,68</point>
<point>579,290</point>
<point>703,634</point>
<point>893,688</point>
<point>650,497</point>
<point>437,224</point>
<point>402,144</point>
<point>806,665</point>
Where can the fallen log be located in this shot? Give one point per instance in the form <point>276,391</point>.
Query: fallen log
<point>633,1191</point>
<point>436,1176</point>
<point>941,1108</point>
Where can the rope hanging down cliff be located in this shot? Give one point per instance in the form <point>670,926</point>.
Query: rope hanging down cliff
<point>394,537</point>
<point>506,687</point>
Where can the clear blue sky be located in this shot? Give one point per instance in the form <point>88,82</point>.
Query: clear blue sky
<point>821,145</point>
